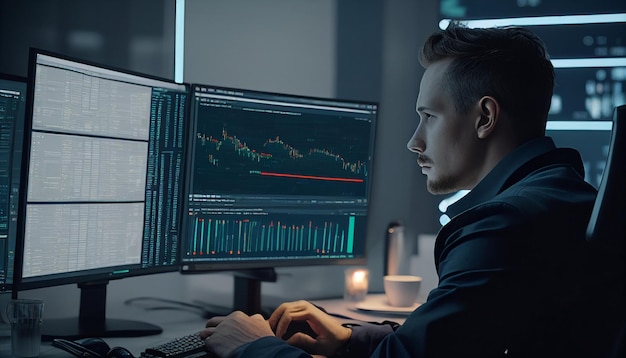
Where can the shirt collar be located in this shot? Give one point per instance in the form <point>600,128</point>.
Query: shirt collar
<point>495,180</point>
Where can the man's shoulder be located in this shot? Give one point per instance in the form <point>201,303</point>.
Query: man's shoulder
<point>548,191</point>
<point>554,180</point>
<point>558,184</point>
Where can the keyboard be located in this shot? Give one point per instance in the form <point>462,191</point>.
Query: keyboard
<point>189,346</point>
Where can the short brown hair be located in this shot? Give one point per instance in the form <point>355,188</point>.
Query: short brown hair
<point>510,64</point>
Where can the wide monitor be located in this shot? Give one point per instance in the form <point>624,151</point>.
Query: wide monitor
<point>102,168</point>
<point>12,111</point>
<point>275,180</point>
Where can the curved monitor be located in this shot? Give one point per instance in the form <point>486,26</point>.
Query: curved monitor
<point>275,180</point>
<point>103,162</point>
<point>12,111</point>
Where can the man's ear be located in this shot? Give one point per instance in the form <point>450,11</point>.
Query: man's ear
<point>489,111</point>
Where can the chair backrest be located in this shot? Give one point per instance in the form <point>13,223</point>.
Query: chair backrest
<point>607,224</point>
<point>607,228</point>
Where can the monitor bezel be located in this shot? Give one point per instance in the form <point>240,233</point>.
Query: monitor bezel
<point>199,267</point>
<point>8,287</point>
<point>102,275</point>
<point>12,77</point>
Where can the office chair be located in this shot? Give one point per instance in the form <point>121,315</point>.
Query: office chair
<point>607,225</point>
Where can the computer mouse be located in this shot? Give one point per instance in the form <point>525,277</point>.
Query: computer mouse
<point>119,352</point>
<point>95,344</point>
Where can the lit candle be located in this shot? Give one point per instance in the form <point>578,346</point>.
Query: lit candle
<point>356,284</point>
<point>359,280</point>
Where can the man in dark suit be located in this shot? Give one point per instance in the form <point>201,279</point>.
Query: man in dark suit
<point>516,275</point>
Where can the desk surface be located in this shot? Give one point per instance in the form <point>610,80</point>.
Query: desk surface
<point>177,323</point>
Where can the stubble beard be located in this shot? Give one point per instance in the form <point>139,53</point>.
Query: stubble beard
<point>444,185</point>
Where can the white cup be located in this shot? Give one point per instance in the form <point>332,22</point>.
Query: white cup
<point>401,290</point>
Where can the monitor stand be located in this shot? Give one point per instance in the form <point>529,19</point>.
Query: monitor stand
<point>247,293</point>
<point>92,321</point>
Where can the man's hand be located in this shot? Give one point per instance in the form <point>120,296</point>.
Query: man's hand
<point>223,335</point>
<point>331,335</point>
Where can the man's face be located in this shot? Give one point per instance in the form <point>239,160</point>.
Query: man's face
<point>445,140</point>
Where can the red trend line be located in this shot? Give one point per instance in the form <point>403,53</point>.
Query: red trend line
<point>311,177</point>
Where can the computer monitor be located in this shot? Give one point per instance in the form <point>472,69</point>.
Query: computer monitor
<point>103,163</point>
<point>12,109</point>
<point>275,180</point>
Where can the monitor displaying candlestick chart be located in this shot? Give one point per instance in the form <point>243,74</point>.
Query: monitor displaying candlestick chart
<point>275,180</point>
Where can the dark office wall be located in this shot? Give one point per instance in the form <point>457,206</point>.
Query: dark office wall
<point>359,37</point>
<point>399,187</point>
<point>283,46</point>
<point>129,34</point>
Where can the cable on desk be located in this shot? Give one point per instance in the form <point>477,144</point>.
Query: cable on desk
<point>172,305</point>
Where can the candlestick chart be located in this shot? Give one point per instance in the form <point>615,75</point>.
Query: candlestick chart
<point>279,154</point>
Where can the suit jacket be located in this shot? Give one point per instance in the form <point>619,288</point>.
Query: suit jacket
<point>516,275</point>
